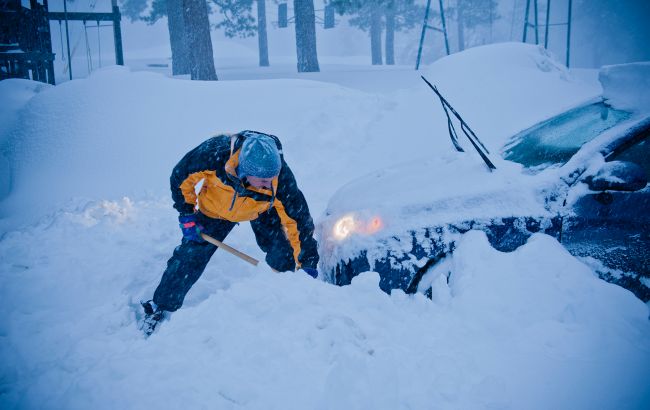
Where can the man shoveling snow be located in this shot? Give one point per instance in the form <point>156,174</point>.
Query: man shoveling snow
<point>245,178</point>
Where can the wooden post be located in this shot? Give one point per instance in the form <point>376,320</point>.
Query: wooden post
<point>67,36</point>
<point>117,33</point>
<point>50,63</point>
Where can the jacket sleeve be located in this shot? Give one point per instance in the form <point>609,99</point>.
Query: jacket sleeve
<point>211,155</point>
<point>294,213</point>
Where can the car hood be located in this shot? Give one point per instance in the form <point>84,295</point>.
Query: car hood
<point>429,192</point>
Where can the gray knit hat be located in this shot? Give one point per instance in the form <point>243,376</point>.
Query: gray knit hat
<point>259,157</point>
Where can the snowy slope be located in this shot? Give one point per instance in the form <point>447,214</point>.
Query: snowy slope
<point>115,121</point>
<point>625,86</point>
<point>14,95</point>
<point>531,329</point>
<point>88,228</point>
<point>504,88</point>
<point>86,137</point>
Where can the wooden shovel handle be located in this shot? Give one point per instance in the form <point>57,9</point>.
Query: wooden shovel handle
<point>229,249</point>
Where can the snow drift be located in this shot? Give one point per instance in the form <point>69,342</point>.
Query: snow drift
<point>530,329</point>
<point>120,133</point>
<point>626,86</point>
<point>88,227</point>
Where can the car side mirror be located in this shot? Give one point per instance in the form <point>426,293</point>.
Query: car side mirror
<point>618,176</point>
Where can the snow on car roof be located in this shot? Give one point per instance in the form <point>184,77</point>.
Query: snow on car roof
<point>625,86</point>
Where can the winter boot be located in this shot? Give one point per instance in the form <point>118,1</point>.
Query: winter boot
<point>152,316</point>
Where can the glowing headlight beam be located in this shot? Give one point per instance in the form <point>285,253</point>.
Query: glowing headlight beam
<point>343,227</point>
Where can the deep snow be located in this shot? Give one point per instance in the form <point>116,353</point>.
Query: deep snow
<point>88,227</point>
<point>625,86</point>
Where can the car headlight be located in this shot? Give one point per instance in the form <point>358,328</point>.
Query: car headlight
<point>375,224</point>
<point>350,224</point>
<point>343,227</point>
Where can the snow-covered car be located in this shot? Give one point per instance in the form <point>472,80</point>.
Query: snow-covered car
<point>580,176</point>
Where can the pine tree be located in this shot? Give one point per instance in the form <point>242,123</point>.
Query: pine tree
<point>176,26</point>
<point>198,40</point>
<point>261,34</point>
<point>238,21</point>
<point>472,13</point>
<point>189,33</point>
<point>390,32</point>
<point>368,16</point>
<point>400,15</point>
<point>305,18</point>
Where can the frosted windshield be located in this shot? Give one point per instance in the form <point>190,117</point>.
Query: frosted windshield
<point>554,141</point>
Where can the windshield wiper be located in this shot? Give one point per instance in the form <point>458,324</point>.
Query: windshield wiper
<point>471,136</point>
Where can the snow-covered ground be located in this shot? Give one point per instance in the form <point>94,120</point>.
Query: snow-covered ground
<point>87,227</point>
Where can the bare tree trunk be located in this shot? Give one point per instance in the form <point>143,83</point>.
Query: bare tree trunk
<point>176,26</point>
<point>261,34</point>
<point>306,35</point>
<point>198,40</point>
<point>375,35</point>
<point>390,33</point>
<point>461,29</point>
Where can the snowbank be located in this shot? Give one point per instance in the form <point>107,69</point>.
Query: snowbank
<point>504,88</point>
<point>14,94</point>
<point>626,86</point>
<point>531,329</point>
<point>120,133</point>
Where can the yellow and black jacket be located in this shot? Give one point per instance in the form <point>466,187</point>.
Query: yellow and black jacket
<point>223,195</point>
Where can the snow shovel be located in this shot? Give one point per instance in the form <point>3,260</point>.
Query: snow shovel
<point>229,249</point>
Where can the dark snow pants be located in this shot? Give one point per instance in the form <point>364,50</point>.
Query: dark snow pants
<point>190,258</point>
